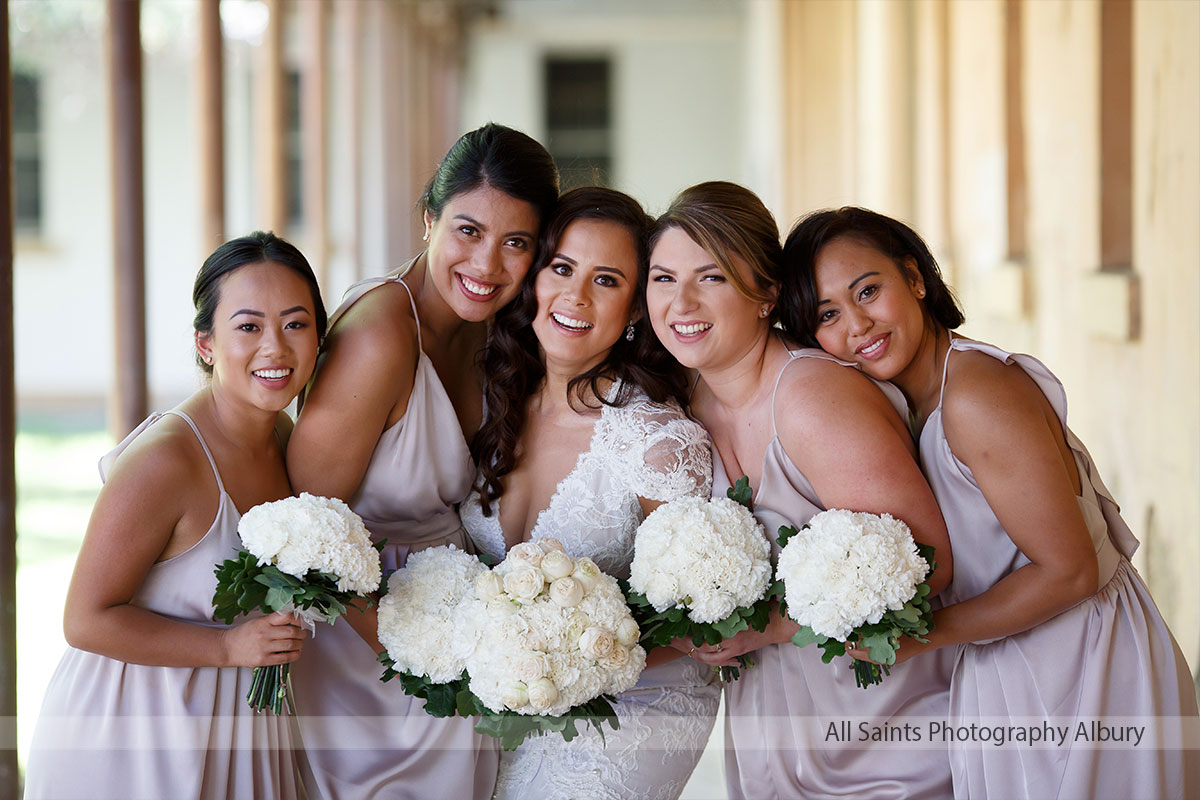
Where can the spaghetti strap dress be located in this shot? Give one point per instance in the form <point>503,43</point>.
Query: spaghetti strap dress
<point>1108,662</point>
<point>109,729</point>
<point>793,724</point>
<point>364,738</point>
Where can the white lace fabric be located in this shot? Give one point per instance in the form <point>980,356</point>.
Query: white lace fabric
<point>642,450</point>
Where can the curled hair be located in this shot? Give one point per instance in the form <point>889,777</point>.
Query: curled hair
<point>511,361</point>
<point>254,248</point>
<point>496,156</point>
<point>729,220</point>
<point>798,295</point>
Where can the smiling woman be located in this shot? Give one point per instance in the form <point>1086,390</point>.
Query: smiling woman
<point>145,657</point>
<point>583,436</point>
<point>384,428</point>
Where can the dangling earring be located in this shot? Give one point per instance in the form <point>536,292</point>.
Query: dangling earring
<point>629,332</point>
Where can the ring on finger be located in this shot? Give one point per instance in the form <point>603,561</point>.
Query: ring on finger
<point>719,648</point>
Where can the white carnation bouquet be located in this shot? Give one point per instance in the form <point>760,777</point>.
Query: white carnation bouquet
<point>310,556</point>
<point>854,575</point>
<point>702,569</point>
<point>416,625</point>
<point>539,642</point>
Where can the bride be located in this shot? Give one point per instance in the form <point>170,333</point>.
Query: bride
<point>582,437</point>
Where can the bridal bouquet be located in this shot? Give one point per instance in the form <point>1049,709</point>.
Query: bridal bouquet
<point>853,574</point>
<point>701,568</point>
<point>307,555</point>
<point>532,646</point>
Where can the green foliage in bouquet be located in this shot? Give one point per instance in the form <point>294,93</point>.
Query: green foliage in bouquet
<point>244,586</point>
<point>456,698</point>
<point>441,699</point>
<point>881,640</point>
<point>660,628</point>
<point>512,728</point>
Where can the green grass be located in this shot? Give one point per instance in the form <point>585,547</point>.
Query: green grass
<point>57,482</point>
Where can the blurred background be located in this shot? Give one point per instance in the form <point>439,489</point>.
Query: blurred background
<point>1049,151</point>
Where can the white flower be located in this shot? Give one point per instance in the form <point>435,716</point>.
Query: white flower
<point>488,585</point>
<point>542,693</point>
<point>566,592</point>
<point>549,544</point>
<point>587,573</point>
<point>596,642</point>
<point>627,632</point>
<point>501,606</point>
<point>530,666</point>
<point>417,617</point>
<point>617,658</point>
<point>525,552</point>
<point>300,534</point>
<point>848,568</point>
<point>535,643</point>
<point>557,564</point>
<point>711,556</point>
<point>516,695</point>
<point>524,582</point>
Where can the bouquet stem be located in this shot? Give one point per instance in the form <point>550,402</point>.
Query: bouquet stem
<point>271,689</point>
<point>868,674</point>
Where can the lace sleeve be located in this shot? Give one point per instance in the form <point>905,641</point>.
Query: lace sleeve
<point>672,455</point>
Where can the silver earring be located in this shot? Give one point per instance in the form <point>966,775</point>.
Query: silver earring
<point>629,332</point>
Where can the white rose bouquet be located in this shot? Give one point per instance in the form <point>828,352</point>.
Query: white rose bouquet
<point>545,638</point>
<point>852,574</point>
<point>307,555</point>
<point>702,569</point>
<point>416,625</point>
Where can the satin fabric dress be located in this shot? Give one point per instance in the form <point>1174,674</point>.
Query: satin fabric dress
<point>109,729</point>
<point>364,738</point>
<point>1109,658</point>
<point>786,731</point>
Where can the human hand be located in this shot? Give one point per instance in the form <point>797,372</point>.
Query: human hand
<point>264,641</point>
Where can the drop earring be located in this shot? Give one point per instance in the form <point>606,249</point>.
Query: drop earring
<point>629,332</point>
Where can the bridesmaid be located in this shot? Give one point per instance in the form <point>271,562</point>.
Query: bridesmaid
<point>1046,615</point>
<point>583,436</point>
<point>149,700</point>
<point>383,427</point>
<point>811,433</point>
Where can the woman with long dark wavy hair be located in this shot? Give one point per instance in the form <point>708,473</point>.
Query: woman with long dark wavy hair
<point>384,426</point>
<point>582,437</point>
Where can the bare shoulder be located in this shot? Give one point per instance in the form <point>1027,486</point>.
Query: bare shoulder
<point>164,466</point>
<point>986,402</point>
<point>378,329</point>
<point>814,393</point>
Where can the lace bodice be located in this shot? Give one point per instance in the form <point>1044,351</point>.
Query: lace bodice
<point>643,449</point>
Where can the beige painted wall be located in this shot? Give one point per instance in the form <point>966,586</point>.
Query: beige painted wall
<point>1134,403</point>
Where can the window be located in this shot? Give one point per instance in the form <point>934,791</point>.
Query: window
<point>579,120</point>
<point>27,161</point>
<point>294,152</point>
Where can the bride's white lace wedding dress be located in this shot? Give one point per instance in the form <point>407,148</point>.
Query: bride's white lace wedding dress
<point>643,449</point>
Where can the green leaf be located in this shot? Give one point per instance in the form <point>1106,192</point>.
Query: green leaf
<point>277,598</point>
<point>786,532</point>
<point>806,636</point>
<point>740,492</point>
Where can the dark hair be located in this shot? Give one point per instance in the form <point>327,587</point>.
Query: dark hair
<point>798,295</point>
<point>727,219</point>
<point>254,248</point>
<point>499,157</point>
<point>511,363</point>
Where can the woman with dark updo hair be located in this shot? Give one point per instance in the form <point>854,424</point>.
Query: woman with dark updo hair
<point>384,427</point>
<point>584,436</point>
<point>150,698</point>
